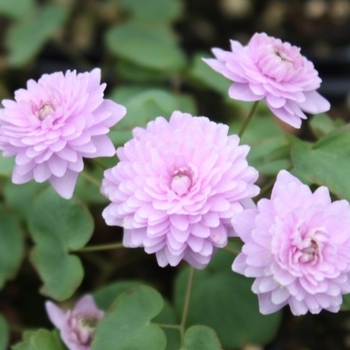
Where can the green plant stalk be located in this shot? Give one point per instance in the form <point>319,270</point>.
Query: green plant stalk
<point>248,119</point>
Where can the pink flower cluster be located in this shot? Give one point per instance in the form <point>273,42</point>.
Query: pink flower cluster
<point>297,246</point>
<point>271,70</point>
<point>177,186</point>
<point>53,124</point>
<point>76,326</point>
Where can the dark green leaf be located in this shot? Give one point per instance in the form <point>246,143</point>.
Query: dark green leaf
<point>149,44</point>
<point>59,226</point>
<point>223,300</point>
<point>326,163</point>
<point>40,340</point>
<point>25,38</point>
<point>322,124</point>
<point>11,246</point>
<point>16,8</point>
<point>131,314</point>
<point>165,10</point>
<point>201,337</point>
<point>4,336</point>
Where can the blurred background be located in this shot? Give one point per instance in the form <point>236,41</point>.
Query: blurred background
<point>150,54</point>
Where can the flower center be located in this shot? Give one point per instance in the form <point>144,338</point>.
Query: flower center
<point>45,110</point>
<point>181,181</point>
<point>84,328</point>
<point>281,55</point>
<point>310,252</point>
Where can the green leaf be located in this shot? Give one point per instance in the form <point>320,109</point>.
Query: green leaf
<point>6,166</point>
<point>223,300</point>
<point>16,8</point>
<point>20,197</point>
<point>131,314</point>
<point>4,336</point>
<point>25,38</point>
<point>40,340</point>
<point>323,124</point>
<point>326,163</point>
<point>165,10</point>
<point>147,44</point>
<point>11,246</point>
<point>57,227</point>
<point>201,337</point>
<point>142,108</point>
<point>201,73</point>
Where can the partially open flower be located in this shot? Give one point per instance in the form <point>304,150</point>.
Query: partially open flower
<point>77,326</point>
<point>177,186</point>
<point>55,123</point>
<point>275,71</point>
<point>297,246</point>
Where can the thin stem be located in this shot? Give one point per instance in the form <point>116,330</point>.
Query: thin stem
<point>91,179</point>
<point>186,305</point>
<point>231,250</point>
<point>170,326</point>
<point>248,119</point>
<point>99,163</point>
<point>95,248</point>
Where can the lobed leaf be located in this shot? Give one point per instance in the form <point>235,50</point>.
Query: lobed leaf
<point>201,337</point>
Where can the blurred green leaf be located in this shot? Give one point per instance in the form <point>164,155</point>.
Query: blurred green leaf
<point>11,246</point>
<point>6,166</point>
<point>40,340</point>
<point>141,109</point>
<point>131,314</point>
<point>59,226</point>
<point>323,124</point>
<point>223,300</point>
<point>20,197</point>
<point>201,337</point>
<point>165,10</point>
<point>150,44</point>
<point>25,38</point>
<point>326,163</point>
<point>4,336</point>
<point>201,73</point>
<point>16,8</point>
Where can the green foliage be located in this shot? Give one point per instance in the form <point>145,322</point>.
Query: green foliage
<point>26,37</point>
<point>11,246</point>
<point>16,8</point>
<point>57,227</point>
<point>323,124</point>
<point>201,337</point>
<point>144,106</point>
<point>151,10</point>
<point>40,340</point>
<point>327,162</point>
<point>6,166</point>
<point>152,45</point>
<point>3,334</point>
<point>224,301</point>
<point>131,314</point>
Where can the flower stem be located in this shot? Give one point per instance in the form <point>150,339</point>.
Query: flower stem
<point>231,250</point>
<point>95,248</point>
<point>186,305</point>
<point>99,163</point>
<point>248,119</point>
<point>91,179</point>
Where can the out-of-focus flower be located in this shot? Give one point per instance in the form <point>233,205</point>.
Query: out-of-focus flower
<point>177,186</point>
<point>270,69</point>
<point>76,326</point>
<point>53,124</point>
<point>297,246</point>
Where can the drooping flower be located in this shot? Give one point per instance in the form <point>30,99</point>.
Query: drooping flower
<point>76,326</point>
<point>297,246</point>
<point>275,71</point>
<point>53,124</point>
<point>176,187</point>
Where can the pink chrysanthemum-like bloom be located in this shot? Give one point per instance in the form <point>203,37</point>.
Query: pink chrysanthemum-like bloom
<point>53,124</point>
<point>270,69</point>
<point>177,186</point>
<point>297,246</point>
<point>76,326</point>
